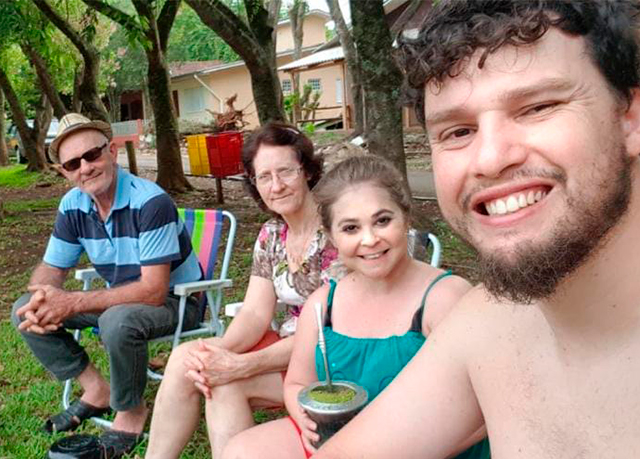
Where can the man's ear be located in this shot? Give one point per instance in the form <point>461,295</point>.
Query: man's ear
<point>631,124</point>
<point>113,149</point>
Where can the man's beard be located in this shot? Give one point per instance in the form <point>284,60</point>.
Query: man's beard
<point>535,271</point>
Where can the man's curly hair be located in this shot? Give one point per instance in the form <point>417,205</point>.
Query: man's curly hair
<point>456,29</point>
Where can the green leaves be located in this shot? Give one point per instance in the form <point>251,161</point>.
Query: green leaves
<point>191,40</point>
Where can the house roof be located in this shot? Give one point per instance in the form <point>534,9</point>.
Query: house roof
<point>177,69</point>
<point>218,66</point>
<point>327,55</point>
<point>314,12</point>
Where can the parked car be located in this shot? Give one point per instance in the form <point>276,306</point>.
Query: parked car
<point>14,143</point>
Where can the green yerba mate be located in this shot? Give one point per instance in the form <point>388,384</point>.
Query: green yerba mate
<point>339,394</point>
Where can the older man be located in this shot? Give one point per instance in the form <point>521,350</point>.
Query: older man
<point>130,231</point>
<point>533,113</point>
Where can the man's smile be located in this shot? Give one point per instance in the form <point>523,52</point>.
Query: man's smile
<point>513,202</point>
<point>504,200</point>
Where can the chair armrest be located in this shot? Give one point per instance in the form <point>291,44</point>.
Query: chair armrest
<point>232,309</point>
<point>200,286</point>
<point>87,274</point>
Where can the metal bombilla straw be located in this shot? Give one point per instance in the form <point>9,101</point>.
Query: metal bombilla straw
<point>323,345</point>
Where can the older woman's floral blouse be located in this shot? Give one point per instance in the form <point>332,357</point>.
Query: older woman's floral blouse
<point>320,263</point>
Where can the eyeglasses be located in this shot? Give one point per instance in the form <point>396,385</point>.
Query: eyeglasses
<point>89,156</point>
<point>285,175</point>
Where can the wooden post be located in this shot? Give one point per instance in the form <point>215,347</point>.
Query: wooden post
<point>219,190</point>
<point>131,157</point>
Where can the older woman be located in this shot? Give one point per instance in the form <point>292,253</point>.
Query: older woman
<point>292,257</point>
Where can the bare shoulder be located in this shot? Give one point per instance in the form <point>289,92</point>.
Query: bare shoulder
<point>480,321</point>
<point>318,296</point>
<point>442,298</point>
<point>452,288</point>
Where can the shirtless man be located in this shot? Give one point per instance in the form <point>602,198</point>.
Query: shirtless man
<point>533,113</point>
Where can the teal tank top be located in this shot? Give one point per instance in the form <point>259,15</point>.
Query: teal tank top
<point>374,362</point>
<point>370,362</point>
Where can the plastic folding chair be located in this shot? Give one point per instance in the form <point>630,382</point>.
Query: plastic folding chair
<point>206,227</point>
<point>426,240</point>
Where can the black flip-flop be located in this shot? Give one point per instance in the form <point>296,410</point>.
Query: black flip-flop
<point>116,443</point>
<point>73,416</point>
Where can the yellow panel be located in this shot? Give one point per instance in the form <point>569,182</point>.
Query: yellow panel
<point>195,156</point>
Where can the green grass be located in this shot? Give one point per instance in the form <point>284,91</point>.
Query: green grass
<point>32,205</point>
<point>16,176</point>
<point>28,395</point>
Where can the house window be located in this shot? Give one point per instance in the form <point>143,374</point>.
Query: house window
<point>338,90</point>
<point>286,87</point>
<point>193,100</point>
<point>315,84</point>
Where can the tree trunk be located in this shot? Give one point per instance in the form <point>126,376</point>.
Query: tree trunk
<point>381,80</point>
<point>44,113</point>
<point>146,113</point>
<point>76,103</point>
<point>113,96</point>
<point>255,44</point>
<point>353,65</point>
<point>266,92</point>
<point>296,16</point>
<point>44,80</point>
<point>131,157</point>
<point>92,105</point>
<point>4,154</point>
<point>170,172</point>
<point>28,136</point>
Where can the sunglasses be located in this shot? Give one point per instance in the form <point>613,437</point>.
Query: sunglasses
<point>89,156</point>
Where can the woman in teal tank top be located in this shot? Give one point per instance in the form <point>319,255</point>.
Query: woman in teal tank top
<point>375,319</point>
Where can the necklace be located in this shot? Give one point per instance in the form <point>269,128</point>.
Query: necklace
<point>296,247</point>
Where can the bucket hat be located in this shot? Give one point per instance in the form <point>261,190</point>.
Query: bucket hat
<point>74,122</point>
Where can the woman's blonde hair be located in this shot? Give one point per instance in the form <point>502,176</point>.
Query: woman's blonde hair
<point>358,170</point>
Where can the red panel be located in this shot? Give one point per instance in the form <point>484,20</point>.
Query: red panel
<point>224,151</point>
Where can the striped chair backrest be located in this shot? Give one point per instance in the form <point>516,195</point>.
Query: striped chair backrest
<point>205,228</point>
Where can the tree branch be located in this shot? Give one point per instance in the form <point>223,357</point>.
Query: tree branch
<point>166,19</point>
<point>341,26</point>
<point>87,50</point>
<point>19,118</point>
<point>274,12</point>
<point>116,15</point>
<point>220,18</point>
<point>44,79</point>
<point>262,21</point>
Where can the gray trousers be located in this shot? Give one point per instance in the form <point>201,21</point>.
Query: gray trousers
<point>124,330</point>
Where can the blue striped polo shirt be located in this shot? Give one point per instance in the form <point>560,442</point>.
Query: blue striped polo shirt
<point>141,229</point>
